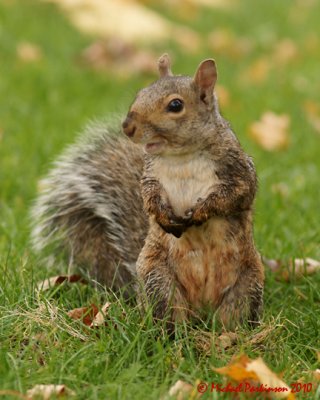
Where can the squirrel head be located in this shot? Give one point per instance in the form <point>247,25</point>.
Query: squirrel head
<point>168,116</point>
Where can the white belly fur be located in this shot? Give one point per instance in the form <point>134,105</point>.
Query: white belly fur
<point>185,180</point>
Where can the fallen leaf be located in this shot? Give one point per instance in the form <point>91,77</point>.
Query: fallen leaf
<point>57,280</point>
<point>46,391</point>
<point>122,58</point>
<point>257,373</point>
<point>316,374</point>
<point>293,269</point>
<point>224,41</point>
<point>285,51</point>
<point>223,95</point>
<point>86,314</point>
<point>301,267</point>
<point>271,132</point>
<point>181,390</point>
<point>312,110</point>
<point>125,19</point>
<point>28,52</point>
<point>257,72</point>
<point>99,318</point>
<point>90,316</point>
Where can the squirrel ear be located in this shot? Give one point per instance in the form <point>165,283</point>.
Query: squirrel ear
<point>164,65</point>
<point>205,79</point>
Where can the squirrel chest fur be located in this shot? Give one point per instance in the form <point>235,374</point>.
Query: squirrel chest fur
<point>185,179</point>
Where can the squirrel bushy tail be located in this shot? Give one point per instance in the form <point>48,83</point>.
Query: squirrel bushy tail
<point>90,208</point>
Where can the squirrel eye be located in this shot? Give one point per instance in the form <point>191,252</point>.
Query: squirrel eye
<point>175,105</point>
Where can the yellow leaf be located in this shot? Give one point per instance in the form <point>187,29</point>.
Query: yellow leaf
<point>58,280</point>
<point>125,19</point>
<point>256,375</point>
<point>285,51</point>
<point>257,72</point>
<point>28,52</point>
<point>312,110</point>
<point>271,132</point>
<point>223,95</point>
<point>46,391</point>
<point>237,370</point>
<point>181,390</point>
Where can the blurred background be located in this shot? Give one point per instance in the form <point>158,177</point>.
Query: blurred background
<point>64,62</point>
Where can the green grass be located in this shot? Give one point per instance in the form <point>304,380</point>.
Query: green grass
<point>43,106</point>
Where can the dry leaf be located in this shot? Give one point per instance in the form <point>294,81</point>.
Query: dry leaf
<point>256,373</point>
<point>57,280</point>
<point>118,56</point>
<point>86,314</point>
<point>46,391</point>
<point>181,390</point>
<point>125,19</point>
<point>224,41</point>
<point>301,267</point>
<point>257,72</point>
<point>99,318</point>
<point>295,268</point>
<point>90,316</point>
<point>285,52</point>
<point>271,132</point>
<point>28,52</point>
<point>312,110</point>
<point>223,95</point>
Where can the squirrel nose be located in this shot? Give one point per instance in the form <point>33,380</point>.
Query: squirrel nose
<point>128,127</point>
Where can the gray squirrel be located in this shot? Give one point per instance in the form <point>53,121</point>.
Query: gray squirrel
<point>166,211</point>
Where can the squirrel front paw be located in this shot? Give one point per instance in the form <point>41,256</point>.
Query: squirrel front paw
<point>198,214</point>
<point>171,223</point>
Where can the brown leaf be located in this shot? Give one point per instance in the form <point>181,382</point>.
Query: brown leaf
<point>28,52</point>
<point>316,374</point>
<point>257,72</point>
<point>224,41</point>
<point>271,132</point>
<point>58,280</point>
<point>99,318</point>
<point>90,316</point>
<point>223,95</point>
<point>285,52</point>
<point>128,20</point>
<point>312,110</point>
<point>122,58</point>
<point>86,314</point>
<point>46,391</point>
<point>257,372</point>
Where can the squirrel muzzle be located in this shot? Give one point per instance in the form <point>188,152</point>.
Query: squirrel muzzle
<point>128,126</point>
